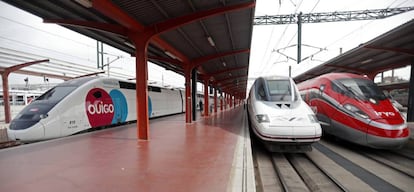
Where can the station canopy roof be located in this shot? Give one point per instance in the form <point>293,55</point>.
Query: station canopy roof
<point>228,29</point>
<point>391,50</point>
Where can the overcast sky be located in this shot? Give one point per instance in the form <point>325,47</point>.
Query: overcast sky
<point>25,32</point>
<point>329,36</point>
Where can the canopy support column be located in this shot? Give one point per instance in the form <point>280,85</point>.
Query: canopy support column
<point>206,97</point>
<point>6,101</point>
<point>215,100</point>
<point>410,112</point>
<point>141,77</point>
<point>194,92</point>
<point>187,99</point>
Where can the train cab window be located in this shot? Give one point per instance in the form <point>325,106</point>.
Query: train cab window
<point>261,95</point>
<point>280,90</point>
<point>336,88</point>
<point>56,93</point>
<point>362,88</point>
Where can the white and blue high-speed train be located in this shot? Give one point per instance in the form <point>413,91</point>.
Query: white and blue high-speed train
<point>80,104</point>
<point>279,117</point>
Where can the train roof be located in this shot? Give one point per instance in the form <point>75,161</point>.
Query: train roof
<point>82,80</point>
<point>334,76</point>
<point>330,76</point>
<point>274,77</point>
<point>78,81</point>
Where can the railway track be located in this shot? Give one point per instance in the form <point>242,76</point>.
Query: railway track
<point>333,167</point>
<point>395,161</point>
<point>7,144</point>
<point>297,172</point>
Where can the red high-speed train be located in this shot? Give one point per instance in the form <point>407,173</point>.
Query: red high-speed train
<point>353,108</point>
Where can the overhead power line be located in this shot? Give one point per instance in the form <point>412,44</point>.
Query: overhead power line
<point>329,16</point>
<point>299,18</point>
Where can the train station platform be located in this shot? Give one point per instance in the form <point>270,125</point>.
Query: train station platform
<point>210,154</point>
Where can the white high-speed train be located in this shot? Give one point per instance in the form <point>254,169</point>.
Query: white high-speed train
<point>279,117</point>
<point>80,104</point>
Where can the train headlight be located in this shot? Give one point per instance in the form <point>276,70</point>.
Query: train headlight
<point>313,118</point>
<point>42,116</point>
<point>356,111</point>
<point>262,118</point>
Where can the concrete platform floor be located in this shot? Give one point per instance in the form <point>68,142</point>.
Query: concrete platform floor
<point>200,156</point>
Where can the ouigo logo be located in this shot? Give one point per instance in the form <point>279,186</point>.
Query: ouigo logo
<point>104,109</point>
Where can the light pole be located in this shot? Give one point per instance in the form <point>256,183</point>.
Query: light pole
<point>109,62</point>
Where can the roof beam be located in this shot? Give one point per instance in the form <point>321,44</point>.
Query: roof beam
<point>179,21</point>
<point>226,85</point>
<point>228,70</point>
<point>409,52</point>
<point>105,27</point>
<point>230,78</point>
<point>347,68</point>
<point>201,60</point>
<point>19,66</point>
<point>107,8</point>
<point>394,66</point>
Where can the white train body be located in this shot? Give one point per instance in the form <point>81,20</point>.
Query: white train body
<point>80,104</point>
<point>279,117</point>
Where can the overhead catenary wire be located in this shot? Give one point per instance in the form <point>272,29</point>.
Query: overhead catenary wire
<point>269,64</point>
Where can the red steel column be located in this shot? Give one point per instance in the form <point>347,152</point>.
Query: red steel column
<point>7,116</point>
<point>206,97</point>
<point>141,93</point>
<point>231,101</point>
<point>215,100</point>
<point>187,75</point>
<point>221,101</point>
<point>225,101</point>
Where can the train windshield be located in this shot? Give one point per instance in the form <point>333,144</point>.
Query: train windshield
<point>280,90</point>
<point>363,87</point>
<point>39,108</point>
<point>56,93</point>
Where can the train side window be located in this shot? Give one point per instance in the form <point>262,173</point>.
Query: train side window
<point>154,89</point>
<point>127,85</point>
<point>336,88</point>
<point>260,92</point>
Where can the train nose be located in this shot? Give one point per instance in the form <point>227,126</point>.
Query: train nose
<point>11,135</point>
<point>34,133</point>
<point>387,136</point>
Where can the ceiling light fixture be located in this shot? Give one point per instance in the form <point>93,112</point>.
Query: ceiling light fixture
<point>224,64</point>
<point>211,41</point>
<point>366,61</point>
<point>170,55</point>
<point>129,44</point>
<point>85,3</point>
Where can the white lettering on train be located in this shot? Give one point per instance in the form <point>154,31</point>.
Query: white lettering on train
<point>100,108</point>
<point>387,114</point>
